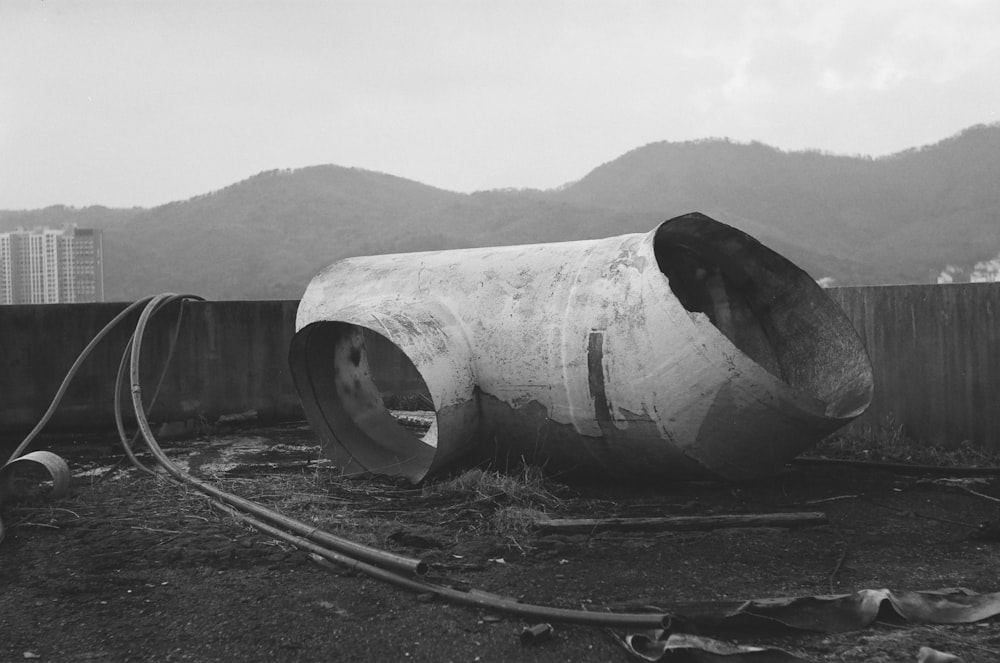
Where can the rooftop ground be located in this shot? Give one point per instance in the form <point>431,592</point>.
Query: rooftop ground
<point>129,567</point>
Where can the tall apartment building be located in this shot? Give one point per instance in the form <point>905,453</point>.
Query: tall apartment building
<point>49,266</point>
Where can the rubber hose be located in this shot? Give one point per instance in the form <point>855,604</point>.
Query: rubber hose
<point>70,375</point>
<point>345,546</point>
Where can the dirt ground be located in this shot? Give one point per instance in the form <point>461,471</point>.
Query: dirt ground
<point>131,568</point>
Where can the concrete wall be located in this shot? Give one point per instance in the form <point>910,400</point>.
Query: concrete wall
<point>935,350</point>
<point>230,357</point>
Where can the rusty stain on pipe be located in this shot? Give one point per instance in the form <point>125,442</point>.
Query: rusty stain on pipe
<point>690,351</point>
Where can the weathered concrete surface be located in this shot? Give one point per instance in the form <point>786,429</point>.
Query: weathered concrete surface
<point>230,358</point>
<point>691,350</point>
<point>935,350</point>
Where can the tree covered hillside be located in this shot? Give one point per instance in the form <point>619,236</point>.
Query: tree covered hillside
<point>858,220</point>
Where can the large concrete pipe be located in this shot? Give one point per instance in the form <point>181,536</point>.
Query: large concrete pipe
<point>691,351</point>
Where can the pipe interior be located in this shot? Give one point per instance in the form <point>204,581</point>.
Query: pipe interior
<point>771,310</point>
<point>735,309</point>
<point>371,398</point>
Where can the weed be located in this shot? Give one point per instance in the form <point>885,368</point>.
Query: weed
<point>526,487</point>
<point>514,522</point>
<point>509,503</point>
<point>890,441</point>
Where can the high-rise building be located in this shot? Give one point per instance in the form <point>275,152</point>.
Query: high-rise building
<point>49,266</point>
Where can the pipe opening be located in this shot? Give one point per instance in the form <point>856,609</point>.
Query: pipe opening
<point>703,287</point>
<point>402,389</point>
<point>771,310</point>
<point>372,406</point>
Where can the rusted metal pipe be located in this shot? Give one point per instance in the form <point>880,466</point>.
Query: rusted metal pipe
<point>690,351</point>
<point>330,559</point>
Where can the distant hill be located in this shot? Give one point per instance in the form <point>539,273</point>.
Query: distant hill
<point>895,219</point>
<point>858,220</point>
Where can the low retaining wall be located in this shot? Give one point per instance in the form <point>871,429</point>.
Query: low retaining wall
<point>231,358</point>
<point>935,350</point>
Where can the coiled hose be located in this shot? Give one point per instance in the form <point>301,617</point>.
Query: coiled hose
<point>325,548</point>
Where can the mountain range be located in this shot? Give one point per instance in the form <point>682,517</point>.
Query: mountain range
<point>850,220</point>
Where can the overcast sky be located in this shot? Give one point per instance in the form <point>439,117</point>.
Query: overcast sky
<point>129,102</point>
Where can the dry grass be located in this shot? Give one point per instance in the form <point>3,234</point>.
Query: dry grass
<point>514,522</point>
<point>313,498</point>
<point>369,509</point>
<point>323,499</point>
<point>890,441</point>
<point>365,509</point>
<point>509,503</point>
<point>526,488</point>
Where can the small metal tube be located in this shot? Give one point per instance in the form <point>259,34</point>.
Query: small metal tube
<point>647,621</point>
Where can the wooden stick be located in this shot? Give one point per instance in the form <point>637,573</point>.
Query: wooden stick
<point>678,523</point>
